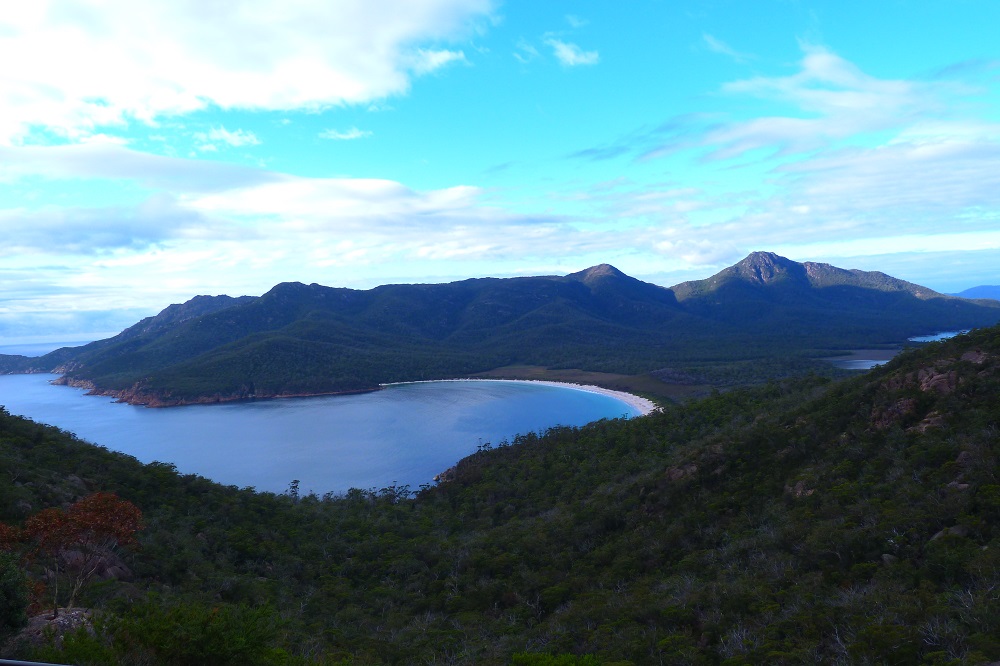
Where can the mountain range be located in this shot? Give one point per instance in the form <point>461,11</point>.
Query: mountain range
<point>299,339</point>
<point>801,521</point>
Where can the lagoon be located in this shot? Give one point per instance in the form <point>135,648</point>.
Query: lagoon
<point>866,359</point>
<point>404,434</point>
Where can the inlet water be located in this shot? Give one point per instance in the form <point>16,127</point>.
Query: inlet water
<point>404,434</point>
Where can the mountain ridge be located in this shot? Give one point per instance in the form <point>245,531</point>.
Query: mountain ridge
<point>766,268</point>
<point>299,339</point>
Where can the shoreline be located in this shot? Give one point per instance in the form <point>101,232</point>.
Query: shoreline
<point>642,406</point>
<point>638,403</point>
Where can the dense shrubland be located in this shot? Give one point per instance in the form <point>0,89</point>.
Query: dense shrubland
<point>802,521</point>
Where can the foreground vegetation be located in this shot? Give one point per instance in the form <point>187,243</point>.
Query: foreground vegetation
<point>803,521</point>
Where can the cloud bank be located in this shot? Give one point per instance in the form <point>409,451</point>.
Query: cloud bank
<point>82,65</point>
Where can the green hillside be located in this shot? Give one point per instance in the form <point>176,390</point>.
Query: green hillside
<point>299,339</point>
<point>805,521</point>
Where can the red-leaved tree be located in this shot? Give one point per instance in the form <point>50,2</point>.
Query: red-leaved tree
<point>78,543</point>
<point>9,537</point>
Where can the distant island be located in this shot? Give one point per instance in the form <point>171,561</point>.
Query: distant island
<point>766,316</point>
<point>982,291</point>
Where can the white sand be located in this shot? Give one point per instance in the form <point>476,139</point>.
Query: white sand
<point>641,405</point>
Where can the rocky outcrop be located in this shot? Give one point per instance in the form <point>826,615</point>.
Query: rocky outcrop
<point>681,472</point>
<point>932,379</point>
<point>799,490</point>
<point>43,628</point>
<point>884,418</point>
<point>956,531</point>
<point>448,475</point>
<point>941,378</point>
<point>932,420</point>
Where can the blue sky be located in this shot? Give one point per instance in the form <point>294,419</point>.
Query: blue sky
<point>153,151</point>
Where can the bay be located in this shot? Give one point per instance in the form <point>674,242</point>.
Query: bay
<point>944,335</point>
<point>403,435</point>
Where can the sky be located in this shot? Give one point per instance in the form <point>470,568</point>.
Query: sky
<point>153,151</point>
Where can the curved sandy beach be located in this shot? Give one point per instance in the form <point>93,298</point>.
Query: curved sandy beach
<point>641,405</point>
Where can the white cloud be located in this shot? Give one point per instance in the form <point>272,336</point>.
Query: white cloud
<point>701,252</point>
<point>837,99</point>
<point>829,84</point>
<point>366,206</point>
<point>236,139</point>
<point>86,231</point>
<point>571,55</point>
<point>898,244</point>
<point>426,61</point>
<point>111,160</point>
<point>525,52</point>
<point>348,135</point>
<point>81,67</point>
<point>874,160</point>
<point>718,46</point>
<point>908,182</point>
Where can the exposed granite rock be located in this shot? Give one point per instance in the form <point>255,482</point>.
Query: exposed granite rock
<point>957,530</point>
<point>681,472</point>
<point>41,627</point>
<point>447,475</point>
<point>799,490</point>
<point>884,418</point>
<point>932,420</point>
<point>975,356</point>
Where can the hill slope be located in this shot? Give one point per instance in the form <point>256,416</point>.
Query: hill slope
<point>801,522</point>
<point>308,339</point>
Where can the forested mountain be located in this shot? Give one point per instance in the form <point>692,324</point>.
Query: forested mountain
<point>307,339</point>
<point>771,296</point>
<point>805,521</point>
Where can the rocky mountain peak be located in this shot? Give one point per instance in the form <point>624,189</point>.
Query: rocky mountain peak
<point>596,274</point>
<point>765,267</point>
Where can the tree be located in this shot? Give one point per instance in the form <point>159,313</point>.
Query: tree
<point>13,595</point>
<point>9,537</point>
<point>78,543</point>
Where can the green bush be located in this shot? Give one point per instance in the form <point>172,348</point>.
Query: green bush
<point>13,595</point>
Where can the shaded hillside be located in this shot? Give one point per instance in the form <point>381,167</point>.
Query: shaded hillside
<point>801,522</point>
<point>308,339</point>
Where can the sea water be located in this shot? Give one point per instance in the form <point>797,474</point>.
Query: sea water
<point>403,435</point>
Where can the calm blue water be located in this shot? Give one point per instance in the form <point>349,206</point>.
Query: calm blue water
<point>937,336</point>
<point>405,434</point>
<point>858,364</point>
<point>37,348</point>
<point>868,364</point>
